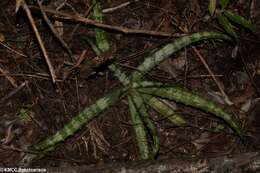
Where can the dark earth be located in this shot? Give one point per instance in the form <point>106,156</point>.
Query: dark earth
<point>33,108</point>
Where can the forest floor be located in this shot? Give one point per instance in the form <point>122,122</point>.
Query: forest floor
<point>33,108</point>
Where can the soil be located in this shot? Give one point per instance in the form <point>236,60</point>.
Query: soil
<point>33,108</point>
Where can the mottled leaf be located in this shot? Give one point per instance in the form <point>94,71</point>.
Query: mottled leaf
<point>140,106</point>
<point>139,129</point>
<point>101,35</point>
<point>167,50</point>
<point>223,3</point>
<point>212,6</point>
<point>24,114</point>
<point>164,109</point>
<point>189,98</point>
<point>228,27</point>
<point>82,118</point>
<point>236,18</point>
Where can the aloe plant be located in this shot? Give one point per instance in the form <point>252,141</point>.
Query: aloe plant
<point>140,87</point>
<point>142,94</point>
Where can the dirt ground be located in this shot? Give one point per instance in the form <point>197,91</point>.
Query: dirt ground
<point>33,108</point>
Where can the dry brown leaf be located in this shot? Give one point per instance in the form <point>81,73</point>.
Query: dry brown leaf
<point>59,27</point>
<point>18,5</point>
<point>2,37</point>
<point>203,140</point>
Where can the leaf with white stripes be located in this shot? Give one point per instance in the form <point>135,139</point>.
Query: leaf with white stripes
<point>150,127</point>
<point>167,50</point>
<point>212,6</point>
<point>81,119</point>
<point>164,109</point>
<point>139,128</point>
<point>101,35</point>
<point>191,99</point>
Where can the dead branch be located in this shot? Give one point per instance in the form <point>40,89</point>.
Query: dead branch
<point>86,21</point>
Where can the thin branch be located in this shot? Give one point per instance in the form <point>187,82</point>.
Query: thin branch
<point>213,77</point>
<point>86,14</point>
<point>8,77</point>
<point>108,10</point>
<point>29,15</point>
<point>12,50</point>
<point>124,30</point>
<point>53,30</point>
<point>13,92</point>
<point>249,74</point>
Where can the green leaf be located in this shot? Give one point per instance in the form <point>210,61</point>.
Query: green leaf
<point>93,46</point>
<point>139,129</point>
<point>121,76</point>
<point>101,35</point>
<point>95,109</point>
<point>140,111</point>
<point>223,3</point>
<point>105,102</point>
<point>139,104</point>
<point>167,50</point>
<point>228,27</point>
<point>216,127</point>
<point>164,109</point>
<point>24,114</point>
<point>212,6</point>
<point>124,79</point>
<point>191,99</point>
<point>236,18</point>
<point>81,119</point>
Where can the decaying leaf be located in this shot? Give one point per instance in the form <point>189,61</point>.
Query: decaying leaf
<point>2,37</point>
<point>18,4</point>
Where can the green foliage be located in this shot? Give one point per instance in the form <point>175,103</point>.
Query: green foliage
<point>101,35</point>
<point>212,6</point>
<point>223,3</point>
<point>226,18</point>
<point>140,94</point>
<point>24,114</point>
<point>139,129</point>
<point>137,91</point>
<point>164,109</point>
<point>141,108</point>
<point>167,50</point>
<point>192,99</point>
<point>81,119</point>
<point>239,20</point>
<point>228,27</point>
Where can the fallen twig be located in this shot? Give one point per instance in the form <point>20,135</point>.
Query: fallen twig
<point>23,4</point>
<point>12,50</point>
<point>86,14</point>
<point>9,78</point>
<point>108,10</point>
<point>86,21</point>
<point>213,77</point>
<point>13,92</point>
<point>53,30</point>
